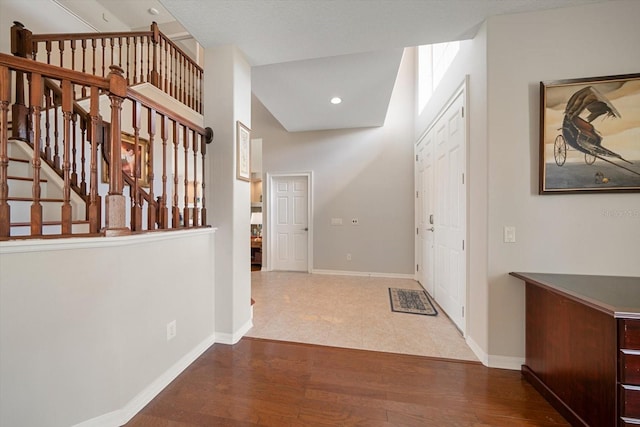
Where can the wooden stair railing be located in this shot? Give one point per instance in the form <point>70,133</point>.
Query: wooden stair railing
<point>32,76</point>
<point>66,137</point>
<point>145,57</point>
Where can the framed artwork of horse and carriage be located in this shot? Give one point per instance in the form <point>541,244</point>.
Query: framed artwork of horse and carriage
<point>590,135</point>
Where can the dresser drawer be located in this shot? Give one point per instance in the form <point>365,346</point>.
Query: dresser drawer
<point>629,401</point>
<point>629,334</point>
<point>629,365</point>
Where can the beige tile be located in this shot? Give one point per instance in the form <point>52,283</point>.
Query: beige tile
<point>348,311</point>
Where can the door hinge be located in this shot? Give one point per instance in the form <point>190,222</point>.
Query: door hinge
<point>417,267</point>
<point>416,157</point>
<point>462,111</point>
<point>463,311</point>
<point>462,178</point>
<point>463,245</point>
<point>417,230</point>
<point>417,194</point>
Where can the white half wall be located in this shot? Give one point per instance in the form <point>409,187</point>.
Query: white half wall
<point>83,323</point>
<point>358,173</point>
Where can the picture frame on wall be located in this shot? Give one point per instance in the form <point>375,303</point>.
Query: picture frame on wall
<point>243,152</point>
<point>590,135</point>
<point>129,151</point>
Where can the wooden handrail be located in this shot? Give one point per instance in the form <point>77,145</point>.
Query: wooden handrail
<point>87,36</point>
<point>47,111</point>
<point>145,56</point>
<point>75,77</point>
<point>182,52</point>
<point>161,109</point>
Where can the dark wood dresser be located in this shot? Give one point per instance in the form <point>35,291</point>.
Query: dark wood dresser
<point>583,346</point>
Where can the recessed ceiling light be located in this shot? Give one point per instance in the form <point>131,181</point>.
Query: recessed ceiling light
<point>153,11</point>
<point>336,100</point>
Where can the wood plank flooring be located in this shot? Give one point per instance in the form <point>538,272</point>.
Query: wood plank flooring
<point>274,383</point>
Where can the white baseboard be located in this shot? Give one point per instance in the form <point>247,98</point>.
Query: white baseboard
<point>491,361</point>
<point>505,362</point>
<point>364,274</point>
<point>477,350</point>
<point>226,338</point>
<point>125,414</point>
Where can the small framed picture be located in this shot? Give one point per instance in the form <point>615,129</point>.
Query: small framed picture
<point>243,152</point>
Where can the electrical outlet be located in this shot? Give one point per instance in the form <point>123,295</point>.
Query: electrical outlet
<point>348,257</point>
<point>171,330</point>
<point>354,221</point>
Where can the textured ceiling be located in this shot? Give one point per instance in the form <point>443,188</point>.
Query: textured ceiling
<point>303,52</point>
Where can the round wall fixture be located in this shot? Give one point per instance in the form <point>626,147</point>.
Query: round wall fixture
<point>336,100</point>
<point>208,135</point>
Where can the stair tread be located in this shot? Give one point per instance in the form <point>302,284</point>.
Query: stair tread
<point>23,178</point>
<point>26,224</point>
<point>15,159</point>
<point>30,199</point>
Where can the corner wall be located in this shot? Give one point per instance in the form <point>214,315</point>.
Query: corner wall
<point>358,173</point>
<point>555,233</point>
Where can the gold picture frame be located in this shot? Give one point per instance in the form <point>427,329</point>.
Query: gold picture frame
<point>243,152</point>
<point>128,159</point>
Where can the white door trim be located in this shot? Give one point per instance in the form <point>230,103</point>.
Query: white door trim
<point>461,90</point>
<point>270,206</point>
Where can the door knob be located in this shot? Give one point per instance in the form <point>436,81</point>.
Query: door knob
<point>306,229</point>
<point>431,229</point>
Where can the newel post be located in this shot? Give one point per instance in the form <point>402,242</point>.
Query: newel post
<point>115,201</point>
<point>20,46</point>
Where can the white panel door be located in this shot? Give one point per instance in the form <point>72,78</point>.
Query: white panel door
<point>290,223</point>
<point>425,213</point>
<point>450,213</point>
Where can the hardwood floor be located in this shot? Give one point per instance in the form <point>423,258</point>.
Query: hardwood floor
<point>274,383</point>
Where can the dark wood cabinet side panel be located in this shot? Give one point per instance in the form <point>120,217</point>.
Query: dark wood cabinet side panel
<point>572,348</point>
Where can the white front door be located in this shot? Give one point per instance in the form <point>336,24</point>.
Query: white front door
<point>424,205</point>
<point>290,223</point>
<point>450,212</point>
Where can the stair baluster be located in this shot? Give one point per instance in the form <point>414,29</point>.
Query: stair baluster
<point>35,138</point>
<point>5,98</point>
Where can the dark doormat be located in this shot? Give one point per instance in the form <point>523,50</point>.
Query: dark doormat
<point>411,301</point>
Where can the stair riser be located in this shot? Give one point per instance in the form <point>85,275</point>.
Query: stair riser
<point>20,188</point>
<point>20,169</point>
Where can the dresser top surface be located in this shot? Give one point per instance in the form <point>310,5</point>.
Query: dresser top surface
<point>617,295</point>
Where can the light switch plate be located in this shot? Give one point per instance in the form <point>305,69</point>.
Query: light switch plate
<point>509,234</point>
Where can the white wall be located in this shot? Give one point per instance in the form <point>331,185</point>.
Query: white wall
<point>39,16</point>
<point>83,323</point>
<point>228,89</point>
<point>358,173</point>
<point>505,62</point>
<point>555,233</point>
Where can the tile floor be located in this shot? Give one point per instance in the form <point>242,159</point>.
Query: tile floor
<point>348,311</point>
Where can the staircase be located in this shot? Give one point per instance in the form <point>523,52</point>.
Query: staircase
<point>20,182</point>
<point>62,135</point>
